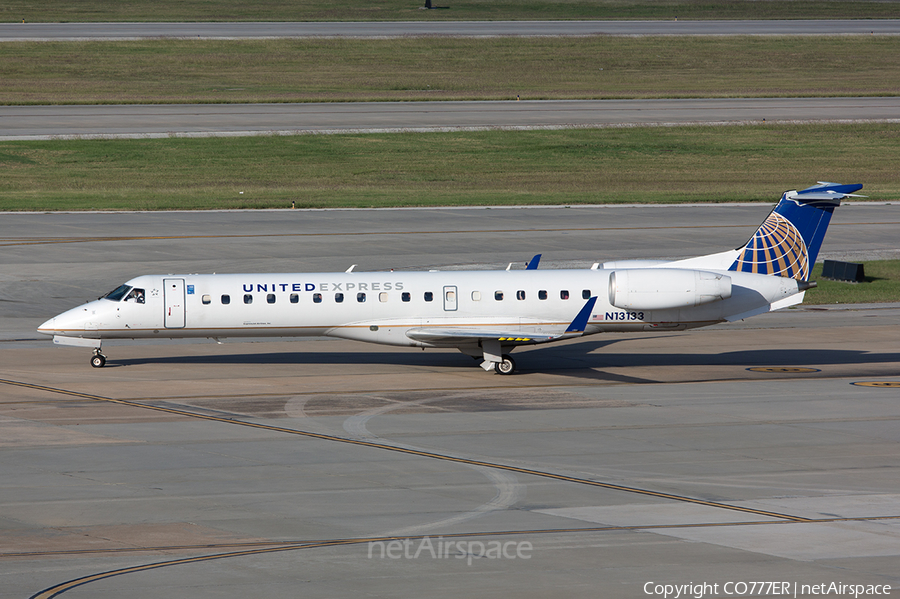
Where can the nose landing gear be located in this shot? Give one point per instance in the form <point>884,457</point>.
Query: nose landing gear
<point>98,360</point>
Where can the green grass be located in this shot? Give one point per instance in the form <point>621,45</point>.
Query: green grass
<point>882,284</point>
<point>403,10</point>
<point>185,71</point>
<point>651,164</point>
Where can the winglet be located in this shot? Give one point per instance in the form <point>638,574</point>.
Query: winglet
<point>578,325</point>
<point>533,264</point>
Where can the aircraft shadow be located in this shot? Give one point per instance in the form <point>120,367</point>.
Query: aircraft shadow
<point>412,358</point>
<point>582,360</point>
<point>812,358</point>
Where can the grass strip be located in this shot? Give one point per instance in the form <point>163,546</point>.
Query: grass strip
<point>283,70</point>
<point>575,166</point>
<point>882,284</point>
<point>403,10</point>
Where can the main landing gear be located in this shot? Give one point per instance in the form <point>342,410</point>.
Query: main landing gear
<point>98,360</point>
<point>493,357</point>
<point>506,366</point>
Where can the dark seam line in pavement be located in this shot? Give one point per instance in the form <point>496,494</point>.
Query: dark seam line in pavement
<point>58,589</point>
<point>414,452</point>
<point>52,240</point>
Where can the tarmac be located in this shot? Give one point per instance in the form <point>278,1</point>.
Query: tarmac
<point>10,32</point>
<point>143,121</point>
<point>761,451</point>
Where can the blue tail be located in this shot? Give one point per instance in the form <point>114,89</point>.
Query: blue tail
<point>788,241</point>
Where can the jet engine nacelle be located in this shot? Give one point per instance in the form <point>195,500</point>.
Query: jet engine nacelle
<point>665,288</point>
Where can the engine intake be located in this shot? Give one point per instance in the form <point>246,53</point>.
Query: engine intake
<point>666,288</point>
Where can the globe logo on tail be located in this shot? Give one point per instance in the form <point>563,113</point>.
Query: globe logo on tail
<point>776,249</point>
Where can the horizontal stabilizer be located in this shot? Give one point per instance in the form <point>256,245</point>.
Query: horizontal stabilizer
<point>834,192</point>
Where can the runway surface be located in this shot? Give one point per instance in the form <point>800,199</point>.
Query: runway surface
<point>199,120</point>
<point>276,469</point>
<point>127,31</point>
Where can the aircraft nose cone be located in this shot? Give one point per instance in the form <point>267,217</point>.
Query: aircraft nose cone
<point>48,327</point>
<point>69,322</point>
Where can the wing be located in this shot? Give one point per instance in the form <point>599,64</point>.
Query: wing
<point>454,337</point>
<point>459,336</point>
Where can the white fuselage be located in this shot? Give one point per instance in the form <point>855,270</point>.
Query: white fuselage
<point>382,307</point>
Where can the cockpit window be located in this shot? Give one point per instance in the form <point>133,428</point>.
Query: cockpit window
<point>137,296</point>
<point>117,294</point>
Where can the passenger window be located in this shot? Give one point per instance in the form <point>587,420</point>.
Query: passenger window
<point>564,294</point>
<point>382,297</point>
<point>317,298</point>
<point>542,294</point>
<point>295,299</point>
<point>429,296</point>
<point>248,299</point>
<point>498,295</point>
<point>360,297</point>
<point>520,294</point>
<point>405,296</point>
<point>476,296</point>
<point>206,299</point>
<point>338,298</point>
<point>451,296</point>
<point>586,294</point>
<point>137,296</point>
<point>226,299</point>
<point>270,298</point>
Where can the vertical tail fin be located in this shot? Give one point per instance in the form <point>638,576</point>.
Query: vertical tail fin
<point>788,241</point>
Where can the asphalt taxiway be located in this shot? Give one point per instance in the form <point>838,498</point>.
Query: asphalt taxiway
<point>739,453</point>
<point>387,29</point>
<point>206,120</point>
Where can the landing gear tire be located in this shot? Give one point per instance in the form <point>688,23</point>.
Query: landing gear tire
<point>507,366</point>
<point>98,360</point>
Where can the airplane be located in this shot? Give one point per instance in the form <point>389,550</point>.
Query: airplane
<point>485,314</point>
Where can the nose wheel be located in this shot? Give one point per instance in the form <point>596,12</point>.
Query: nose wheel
<point>98,360</point>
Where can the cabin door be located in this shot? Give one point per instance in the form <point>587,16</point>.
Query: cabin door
<point>450,298</point>
<point>173,296</point>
